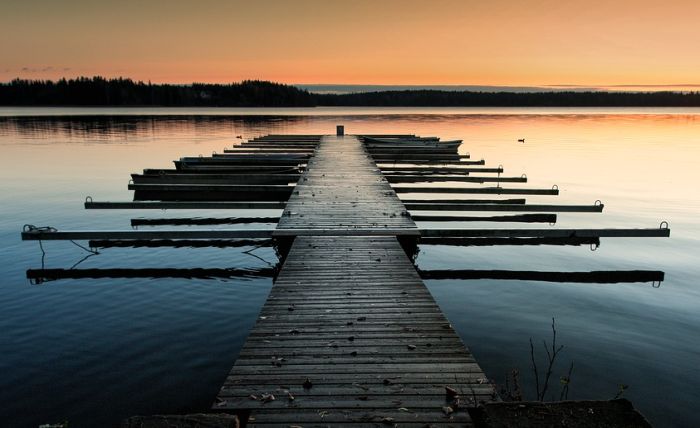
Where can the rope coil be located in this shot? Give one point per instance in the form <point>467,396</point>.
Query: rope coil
<point>36,229</point>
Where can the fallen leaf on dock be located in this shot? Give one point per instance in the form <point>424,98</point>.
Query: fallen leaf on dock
<point>451,392</point>
<point>266,398</point>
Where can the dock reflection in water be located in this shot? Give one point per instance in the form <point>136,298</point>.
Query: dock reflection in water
<point>641,166</point>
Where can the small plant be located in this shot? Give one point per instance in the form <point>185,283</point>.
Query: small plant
<point>552,353</point>
<point>511,389</point>
<point>621,388</point>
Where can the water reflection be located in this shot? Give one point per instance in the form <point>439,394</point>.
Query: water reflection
<point>120,129</point>
<point>180,336</point>
<point>41,276</point>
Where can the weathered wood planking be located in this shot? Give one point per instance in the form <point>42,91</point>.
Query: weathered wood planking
<point>351,315</point>
<point>342,188</point>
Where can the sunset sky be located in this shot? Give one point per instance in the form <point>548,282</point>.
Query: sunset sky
<point>495,42</point>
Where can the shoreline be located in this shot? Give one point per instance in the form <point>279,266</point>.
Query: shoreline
<point>56,111</point>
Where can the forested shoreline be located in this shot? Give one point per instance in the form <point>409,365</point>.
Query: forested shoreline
<point>99,91</point>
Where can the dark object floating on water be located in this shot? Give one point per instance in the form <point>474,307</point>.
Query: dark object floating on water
<point>39,276</point>
<point>600,277</point>
<point>521,140</point>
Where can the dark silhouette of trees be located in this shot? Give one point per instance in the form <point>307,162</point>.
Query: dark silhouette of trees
<point>99,91</point>
<point>434,98</point>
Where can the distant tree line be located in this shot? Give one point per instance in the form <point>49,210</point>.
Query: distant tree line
<point>99,91</point>
<point>435,98</point>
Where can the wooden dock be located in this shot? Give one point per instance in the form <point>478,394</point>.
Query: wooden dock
<point>350,335</point>
<point>342,188</point>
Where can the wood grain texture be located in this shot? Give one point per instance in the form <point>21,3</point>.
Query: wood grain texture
<point>351,315</point>
<point>342,188</point>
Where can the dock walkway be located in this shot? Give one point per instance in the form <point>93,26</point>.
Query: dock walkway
<point>343,189</point>
<point>350,335</point>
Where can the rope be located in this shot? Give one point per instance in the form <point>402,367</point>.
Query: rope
<point>89,250</point>
<point>32,228</point>
<point>250,253</point>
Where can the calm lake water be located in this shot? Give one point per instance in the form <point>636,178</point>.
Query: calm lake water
<point>94,351</point>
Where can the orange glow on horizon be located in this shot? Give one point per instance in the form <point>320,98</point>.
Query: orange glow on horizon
<point>534,43</point>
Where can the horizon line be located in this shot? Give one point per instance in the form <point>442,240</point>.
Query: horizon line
<point>513,85</point>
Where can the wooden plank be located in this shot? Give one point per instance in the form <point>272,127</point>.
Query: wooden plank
<point>255,156</point>
<point>207,205</point>
<point>228,169</point>
<point>599,277</point>
<point>192,221</point>
<point>189,178</point>
<point>244,159</point>
<point>179,243</point>
<point>210,234</point>
<point>419,157</point>
<point>518,201</point>
<point>523,218</point>
<point>140,234</point>
<point>274,188</point>
<point>345,229</point>
<point>475,190</point>
<point>447,205</point>
<point>269,150</point>
<point>548,233</point>
<point>343,190</point>
<point>480,242</point>
<point>401,178</point>
<point>372,347</point>
<point>408,168</point>
<point>44,275</point>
